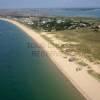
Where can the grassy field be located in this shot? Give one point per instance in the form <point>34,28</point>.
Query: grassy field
<point>87,42</point>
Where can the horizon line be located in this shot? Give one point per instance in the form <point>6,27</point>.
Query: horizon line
<point>54,8</point>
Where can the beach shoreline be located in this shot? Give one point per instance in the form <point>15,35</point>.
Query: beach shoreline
<point>86,84</point>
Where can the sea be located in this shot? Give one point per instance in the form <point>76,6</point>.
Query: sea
<point>63,12</point>
<point>75,12</point>
<point>25,74</point>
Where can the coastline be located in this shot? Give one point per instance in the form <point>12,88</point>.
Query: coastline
<point>87,85</point>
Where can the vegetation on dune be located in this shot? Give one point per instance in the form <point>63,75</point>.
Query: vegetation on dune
<point>94,74</point>
<point>88,42</point>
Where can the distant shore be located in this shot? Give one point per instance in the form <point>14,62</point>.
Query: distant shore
<point>87,85</point>
<point>63,12</point>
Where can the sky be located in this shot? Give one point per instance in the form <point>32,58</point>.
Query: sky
<point>48,3</point>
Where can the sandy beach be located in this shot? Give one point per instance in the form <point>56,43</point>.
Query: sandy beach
<point>86,84</point>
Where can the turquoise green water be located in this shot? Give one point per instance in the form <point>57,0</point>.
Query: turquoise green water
<point>24,76</point>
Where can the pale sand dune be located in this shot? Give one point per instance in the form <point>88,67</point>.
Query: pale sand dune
<point>85,83</point>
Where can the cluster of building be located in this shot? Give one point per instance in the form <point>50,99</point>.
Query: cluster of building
<point>54,24</point>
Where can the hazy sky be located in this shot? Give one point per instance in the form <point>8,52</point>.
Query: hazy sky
<point>48,3</point>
